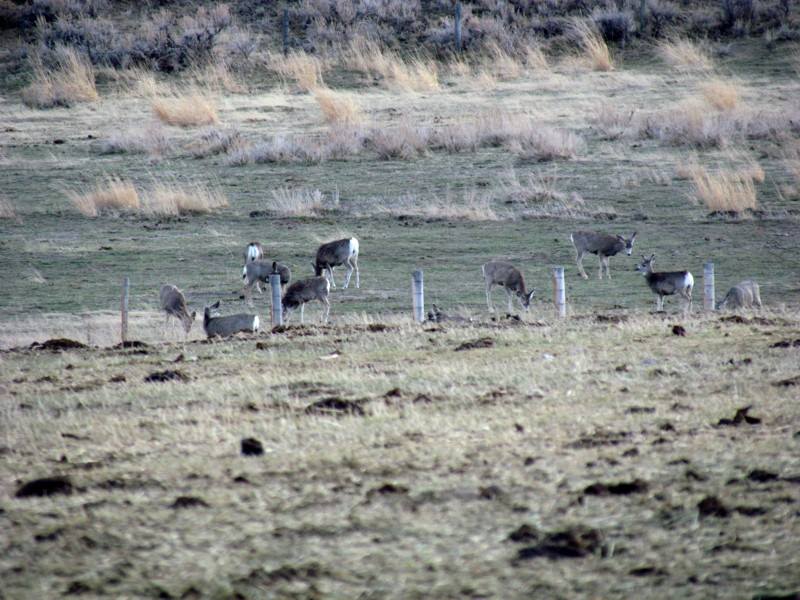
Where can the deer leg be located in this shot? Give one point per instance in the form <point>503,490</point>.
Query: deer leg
<point>579,262</point>
<point>358,279</point>
<point>330,273</point>
<point>600,275</point>
<point>302,313</point>
<point>509,295</point>
<point>326,309</point>
<point>608,269</point>
<point>489,297</point>
<point>349,273</point>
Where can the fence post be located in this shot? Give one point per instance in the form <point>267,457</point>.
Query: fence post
<point>559,292</point>
<point>418,296</point>
<point>277,307</point>
<point>458,27</point>
<point>126,286</point>
<point>642,14</point>
<point>708,286</point>
<point>285,30</point>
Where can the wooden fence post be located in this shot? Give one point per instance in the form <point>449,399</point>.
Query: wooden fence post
<point>126,286</point>
<point>285,30</point>
<point>559,292</point>
<point>277,307</point>
<point>418,296</point>
<point>708,286</point>
<point>458,27</point>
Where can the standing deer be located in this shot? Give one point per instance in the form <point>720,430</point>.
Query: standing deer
<point>254,251</point>
<point>228,325</point>
<point>667,283</point>
<point>257,272</point>
<point>174,305</point>
<point>744,294</point>
<point>306,290</point>
<point>504,274</point>
<point>603,245</point>
<point>341,252</point>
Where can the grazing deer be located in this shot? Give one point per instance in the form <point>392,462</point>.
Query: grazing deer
<point>174,305</point>
<point>604,245</point>
<point>744,294</point>
<point>306,290</point>
<point>256,272</point>
<point>667,283</point>
<point>341,252</point>
<point>254,251</point>
<point>228,325</point>
<point>504,274</point>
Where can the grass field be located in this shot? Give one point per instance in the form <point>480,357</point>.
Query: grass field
<point>441,454</point>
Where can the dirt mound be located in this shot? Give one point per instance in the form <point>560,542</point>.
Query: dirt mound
<point>58,345</point>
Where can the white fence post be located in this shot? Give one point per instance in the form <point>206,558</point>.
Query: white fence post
<point>708,286</point>
<point>559,292</point>
<point>126,286</point>
<point>277,307</point>
<point>418,296</point>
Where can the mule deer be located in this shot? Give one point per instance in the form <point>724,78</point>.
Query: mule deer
<point>257,272</point>
<point>667,283</point>
<point>341,252</point>
<point>603,245</point>
<point>174,305</point>
<point>744,294</point>
<point>254,251</point>
<point>505,274</point>
<point>228,325</point>
<point>306,290</point>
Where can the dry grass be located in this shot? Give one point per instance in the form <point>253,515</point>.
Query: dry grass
<point>70,80</point>
<point>685,55</point>
<point>594,47</point>
<point>114,195</point>
<point>294,202</point>
<point>149,139</point>
<point>725,190</point>
<point>538,195</point>
<point>218,77</point>
<point>305,70</point>
<point>546,143</point>
<point>721,94</point>
<point>7,210</point>
<point>337,108</point>
<point>191,107</point>
<point>472,205</point>
<point>369,57</point>
<point>406,140</point>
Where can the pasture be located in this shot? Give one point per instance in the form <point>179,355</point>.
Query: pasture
<point>602,455</point>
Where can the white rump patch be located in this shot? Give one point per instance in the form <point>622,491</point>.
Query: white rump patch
<point>255,323</point>
<point>688,280</point>
<point>353,247</point>
<point>244,272</point>
<point>253,253</point>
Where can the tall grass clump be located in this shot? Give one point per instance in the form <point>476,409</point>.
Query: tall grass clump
<point>68,80</point>
<point>290,202</point>
<point>185,108</point>
<point>337,108</point>
<point>111,194</point>
<point>722,95</point>
<point>593,46</point>
<point>369,57</point>
<point>545,144</point>
<point>726,190</point>
<point>684,55</point>
<point>305,70</point>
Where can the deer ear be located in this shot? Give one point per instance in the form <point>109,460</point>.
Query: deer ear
<point>194,314</point>
<point>633,237</point>
<point>621,238</point>
<point>652,257</point>
<point>215,305</point>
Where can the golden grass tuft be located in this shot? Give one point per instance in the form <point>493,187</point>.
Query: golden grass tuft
<point>367,56</point>
<point>337,108</point>
<point>685,55</point>
<point>217,76</point>
<point>726,190</point>
<point>594,47</point>
<point>111,194</point>
<point>722,95</point>
<point>305,70</point>
<point>292,202</point>
<point>188,108</point>
<point>115,195</point>
<point>70,80</point>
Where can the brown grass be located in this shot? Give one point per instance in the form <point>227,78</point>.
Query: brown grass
<point>187,108</point>
<point>147,139</point>
<point>112,194</point>
<point>70,80</point>
<point>594,47</point>
<point>218,77</point>
<point>337,108</point>
<point>305,70</point>
<point>471,205</point>
<point>369,57</point>
<point>685,55</point>
<point>7,210</point>
<point>721,94</point>
<point>726,190</point>
<point>294,202</point>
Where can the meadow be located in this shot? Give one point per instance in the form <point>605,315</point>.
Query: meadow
<point>606,454</point>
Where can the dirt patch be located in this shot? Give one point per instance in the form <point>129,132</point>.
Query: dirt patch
<point>45,486</point>
<point>575,542</point>
<point>387,489</point>
<point>600,438</point>
<point>335,406</point>
<point>611,318</point>
<point>638,410</point>
<point>679,330</point>
<point>762,476</point>
<point>189,502</point>
<point>58,345</point>
<point>484,342</point>
<point>251,447</point>
<point>167,375</point>
<point>789,382</point>
<point>786,344</point>
<point>741,417</point>
<point>711,506</point>
<point>130,344</point>
<point>524,534</point>
<point>623,488</point>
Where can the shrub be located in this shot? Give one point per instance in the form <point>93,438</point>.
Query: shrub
<point>614,26</point>
<point>593,46</point>
<point>148,140</point>
<point>685,55</point>
<point>404,141</point>
<point>188,108</point>
<point>545,144</point>
<point>725,190</point>
<point>722,95</point>
<point>304,69</point>
<point>289,202</point>
<point>214,140</point>
<point>336,107</point>
<point>70,80</point>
